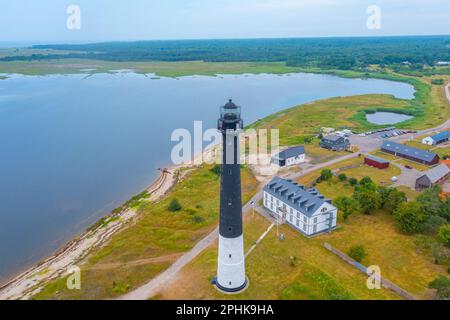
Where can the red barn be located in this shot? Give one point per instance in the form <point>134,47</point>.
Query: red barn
<point>376,162</point>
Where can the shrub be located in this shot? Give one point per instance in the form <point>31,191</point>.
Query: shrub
<point>342,177</point>
<point>347,205</point>
<point>432,224</point>
<point>174,206</point>
<point>444,234</point>
<point>217,169</point>
<point>409,217</point>
<point>357,253</point>
<point>442,286</point>
<point>353,182</point>
<point>198,219</point>
<point>368,200</point>
<point>326,174</point>
<point>393,200</point>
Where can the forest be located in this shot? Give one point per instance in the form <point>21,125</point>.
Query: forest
<point>333,53</point>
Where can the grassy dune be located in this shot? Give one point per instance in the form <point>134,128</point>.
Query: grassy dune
<point>153,242</point>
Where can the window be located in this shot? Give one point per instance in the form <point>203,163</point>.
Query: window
<point>278,202</point>
<point>298,215</point>
<point>315,229</point>
<point>304,227</point>
<point>297,223</point>
<point>291,218</point>
<point>292,211</point>
<point>315,220</point>
<point>324,209</point>
<point>305,220</point>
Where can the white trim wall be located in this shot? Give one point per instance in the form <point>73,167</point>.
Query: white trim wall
<point>428,141</point>
<point>318,222</point>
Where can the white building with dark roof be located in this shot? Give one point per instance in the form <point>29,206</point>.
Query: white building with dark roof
<point>289,157</point>
<point>304,209</point>
<point>438,138</point>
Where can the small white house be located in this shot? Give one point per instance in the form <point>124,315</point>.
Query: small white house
<point>428,141</point>
<point>304,209</point>
<point>438,138</point>
<point>290,157</point>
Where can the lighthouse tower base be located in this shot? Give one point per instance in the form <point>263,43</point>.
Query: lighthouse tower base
<point>231,265</point>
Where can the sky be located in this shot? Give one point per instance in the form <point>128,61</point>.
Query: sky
<point>108,20</point>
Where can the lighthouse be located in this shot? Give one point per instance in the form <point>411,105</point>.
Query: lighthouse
<point>231,264</point>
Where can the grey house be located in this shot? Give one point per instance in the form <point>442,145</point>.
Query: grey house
<point>304,209</point>
<point>437,175</point>
<point>335,143</point>
<point>291,156</point>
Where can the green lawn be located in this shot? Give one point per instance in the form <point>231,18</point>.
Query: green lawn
<point>317,273</point>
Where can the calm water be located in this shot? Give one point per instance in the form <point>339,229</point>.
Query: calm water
<point>381,118</point>
<point>75,147</point>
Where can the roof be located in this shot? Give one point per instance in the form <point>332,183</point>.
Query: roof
<point>379,160</point>
<point>441,136</point>
<point>332,137</point>
<point>306,201</point>
<point>230,105</point>
<point>437,173</point>
<point>291,152</point>
<point>409,151</point>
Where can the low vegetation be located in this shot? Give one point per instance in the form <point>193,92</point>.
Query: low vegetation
<point>154,241</point>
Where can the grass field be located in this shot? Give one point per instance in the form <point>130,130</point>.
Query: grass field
<point>316,273</point>
<point>153,242</point>
<point>164,69</point>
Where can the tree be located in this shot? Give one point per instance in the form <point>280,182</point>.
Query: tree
<point>442,286</point>
<point>353,181</point>
<point>326,174</point>
<point>384,193</point>
<point>347,205</point>
<point>368,200</point>
<point>444,234</point>
<point>431,203</point>
<point>174,205</point>
<point>393,200</point>
<point>366,183</point>
<point>444,211</point>
<point>357,253</point>
<point>409,217</point>
<point>342,177</point>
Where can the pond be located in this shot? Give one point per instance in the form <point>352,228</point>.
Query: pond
<point>382,118</point>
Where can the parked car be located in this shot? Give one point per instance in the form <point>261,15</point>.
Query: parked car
<point>408,167</point>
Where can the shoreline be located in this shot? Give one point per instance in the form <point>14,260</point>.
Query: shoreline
<point>29,282</point>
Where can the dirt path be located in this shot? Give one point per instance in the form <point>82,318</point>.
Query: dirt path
<point>140,262</point>
<point>152,287</point>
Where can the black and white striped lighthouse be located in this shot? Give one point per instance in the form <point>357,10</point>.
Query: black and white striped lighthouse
<point>231,264</point>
